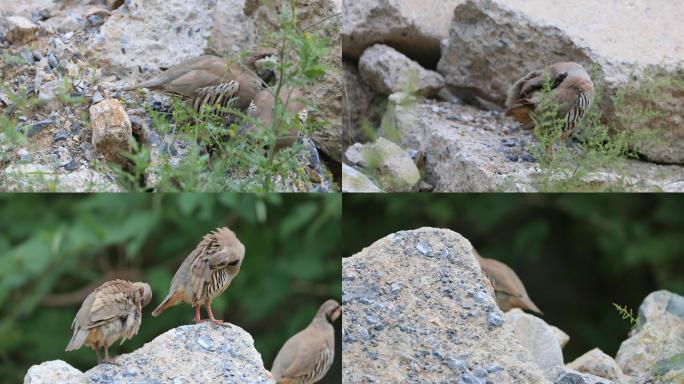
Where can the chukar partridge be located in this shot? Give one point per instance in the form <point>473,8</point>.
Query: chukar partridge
<point>262,107</point>
<point>111,312</point>
<point>307,356</point>
<point>509,291</point>
<point>205,273</point>
<point>571,87</point>
<point>210,80</point>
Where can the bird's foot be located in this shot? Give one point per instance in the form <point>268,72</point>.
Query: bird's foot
<point>111,361</point>
<point>215,322</point>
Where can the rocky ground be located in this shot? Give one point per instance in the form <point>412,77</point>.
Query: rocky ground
<point>459,57</point>
<point>403,325</point>
<point>201,353</point>
<point>60,58</point>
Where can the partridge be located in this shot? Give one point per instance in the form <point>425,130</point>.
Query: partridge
<point>571,87</point>
<point>205,273</point>
<point>307,356</point>
<point>210,80</point>
<point>508,289</point>
<point>262,107</point>
<point>112,311</point>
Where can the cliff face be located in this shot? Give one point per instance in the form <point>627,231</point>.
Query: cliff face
<point>199,353</point>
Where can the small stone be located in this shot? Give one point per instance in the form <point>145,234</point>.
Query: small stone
<point>424,248</point>
<point>111,130</point>
<point>60,136</point>
<point>37,56</point>
<point>95,20</point>
<point>27,56</point>
<point>20,30</point>
<point>52,61</point>
<point>35,128</point>
<point>97,97</point>
<point>494,320</point>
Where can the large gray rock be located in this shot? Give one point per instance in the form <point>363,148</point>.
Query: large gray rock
<point>141,36</point>
<point>537,337</point>
<point>597,363</point>
<point>656,347</point>
<point>19,30</point>
<point>470,150</point>
<point>530,34</point>
<point>201,353</point>
<point>387,71</point>
<point>417,309</point>
<point>414,27</point>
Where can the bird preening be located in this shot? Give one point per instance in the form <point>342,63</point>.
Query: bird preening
<point>571,88</point>
<point>113,311</point>
<point>509,291</point>
<point>248,87</point>
<point>206,272</point>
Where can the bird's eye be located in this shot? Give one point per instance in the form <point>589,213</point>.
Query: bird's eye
<point>234,263</point>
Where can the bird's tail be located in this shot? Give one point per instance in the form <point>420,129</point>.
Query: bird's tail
<point>531,306</point>
<point>77,339</point>
<point>169,301</point>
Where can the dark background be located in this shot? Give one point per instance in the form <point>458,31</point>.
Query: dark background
<point>54,249</point>
<point>576,254</point>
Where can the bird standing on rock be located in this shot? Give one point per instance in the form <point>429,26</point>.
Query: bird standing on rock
<point>210,80</point>
<point>571,87</point>
<point>307,356</point>
<point>112,311</point>
<point>509,291</point>
<point>205,273</point>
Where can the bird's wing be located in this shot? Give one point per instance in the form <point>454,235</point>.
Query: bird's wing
<point>300,355</point>
<point>508,283</point>
<point>188,83</point>
<point>110,301</point>
<point>204,264</point>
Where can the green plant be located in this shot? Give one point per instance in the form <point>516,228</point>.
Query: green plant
<point>627,314</point>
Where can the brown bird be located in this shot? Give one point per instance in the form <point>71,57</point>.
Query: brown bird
<point>262,107</point>
<point>509,291</point>
<point>210,80</point>
<point>112,311</point>
<point>205,273</point>
<point>307,356</point>
<point>571,87</point>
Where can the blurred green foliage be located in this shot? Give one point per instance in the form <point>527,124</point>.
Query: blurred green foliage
<point>576,254</point>
<point>54,249</point>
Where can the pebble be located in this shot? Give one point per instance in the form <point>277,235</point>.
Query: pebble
<point>97,97</point>
<point>52,61</point>
<point>60,136</point>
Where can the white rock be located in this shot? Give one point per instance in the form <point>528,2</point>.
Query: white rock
<point>42,178</point>
<point>537,337</point>
<point>395,169</point>
<point>561,336</point>
<point>54,371</point>
<point>201,353</point>
<point>354,181</point>
<point>597,363</point>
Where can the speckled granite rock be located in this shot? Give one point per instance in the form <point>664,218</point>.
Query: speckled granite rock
<point>416,309</point>
<point>201,353</point>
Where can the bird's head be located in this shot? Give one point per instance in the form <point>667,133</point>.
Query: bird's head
<point>230,248</point>
<point>143,293</point>
<point>264,62</point>
<point>330,309</point>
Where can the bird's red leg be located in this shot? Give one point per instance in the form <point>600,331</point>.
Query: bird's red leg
<point>197,314</point>
<point>211,316</point>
